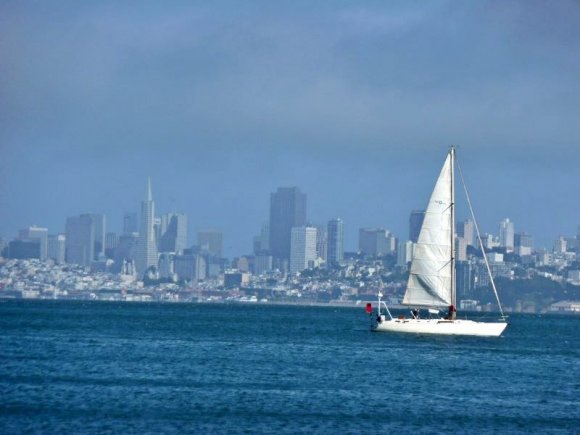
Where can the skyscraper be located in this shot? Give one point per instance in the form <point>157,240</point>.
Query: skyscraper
<point>303,248</point>
<point>211,242</point>
<point>335,231</point>
<point>99,221</point>
<point>404,253</point>
<point>57,248</point>
<point>146,252</point>
<point>130,223</point>
<point>287,210</point>
<point>523,243</point>
<point>80,240</point>
<point>506,235</point>
<point>173,233</point>
<point>376,241</point>
<point>111,242</point>
<point>36,233</point>
<point>415,222</point>
<point>466,229</point>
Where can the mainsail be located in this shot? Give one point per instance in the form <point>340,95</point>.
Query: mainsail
<point>431,276</point>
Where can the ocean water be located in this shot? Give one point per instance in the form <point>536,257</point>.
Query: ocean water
<point>96,367</point>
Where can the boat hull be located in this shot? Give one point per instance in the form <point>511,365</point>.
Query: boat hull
<point>442,327</point>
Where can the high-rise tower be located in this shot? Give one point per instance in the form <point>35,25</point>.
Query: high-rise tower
<point>146,253</point>
<point>415,222</point>
<point>287,210</point>
<point>303,248</point>
<point>506,234</point>
<point>335,241</point>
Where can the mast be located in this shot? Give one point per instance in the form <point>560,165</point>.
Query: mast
<point>453,284</point>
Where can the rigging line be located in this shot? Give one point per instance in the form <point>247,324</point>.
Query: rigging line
<point>479,239</point>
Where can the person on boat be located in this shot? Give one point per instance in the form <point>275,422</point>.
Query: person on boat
<point>415,313</point>
<point>452,313</point>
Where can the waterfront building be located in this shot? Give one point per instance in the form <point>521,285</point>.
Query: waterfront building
<point>335,231</point>
<point>57,248</point>
<point>302,248</point>
<point>415,223</point>
<point>80,239</point>
<point>36,233</point>
<point>287,210</point>
<point>506,235</point>
<point>146,250</point>
<point>211,242</point>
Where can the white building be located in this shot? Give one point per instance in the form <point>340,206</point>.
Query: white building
<point>302,248</point>
<point>506,235</point>
<point>56,247</point>
<point>404,253</point>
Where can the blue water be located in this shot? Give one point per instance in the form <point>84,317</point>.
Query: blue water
<point>147,368</point>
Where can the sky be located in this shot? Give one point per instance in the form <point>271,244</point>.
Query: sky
<point>356,103</point>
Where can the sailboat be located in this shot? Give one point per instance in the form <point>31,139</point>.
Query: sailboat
<point>432,283</point>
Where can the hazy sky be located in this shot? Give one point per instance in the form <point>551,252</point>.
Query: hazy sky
<point>354,102</point>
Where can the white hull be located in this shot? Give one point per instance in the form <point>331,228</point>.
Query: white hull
<point>442,327</point>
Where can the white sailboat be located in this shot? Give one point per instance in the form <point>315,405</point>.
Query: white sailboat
<point>431,282</point>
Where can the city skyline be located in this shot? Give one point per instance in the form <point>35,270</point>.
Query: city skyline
<point>355,104</point>
<point>164,225</point>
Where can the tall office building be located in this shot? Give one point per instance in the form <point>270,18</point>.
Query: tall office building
<point>464,279</point>
<point>211,242</point>
<point>146,250</point>
<point>415,222</point>
<point>466,229</point>
<point>523,243</point>
<point>57,248</point>
<point>376,241</point>
<point>287,210</point>
<point>80,240</point>
<point>506,234</point>
<point>36,233</point>
<point>100,223</point>
<point>262,240</point>
<point>302,248</point>
<point>130,223</point>
<point>560,245</point>
<point>173,233</point>
<point>460,249</point>
<point>125,252</point>
<point>111,243</point>
<point>404,253</point>
<point>335,231</point>
<point>321,242</point>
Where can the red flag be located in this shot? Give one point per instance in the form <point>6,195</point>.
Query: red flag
<point>369,308</point>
